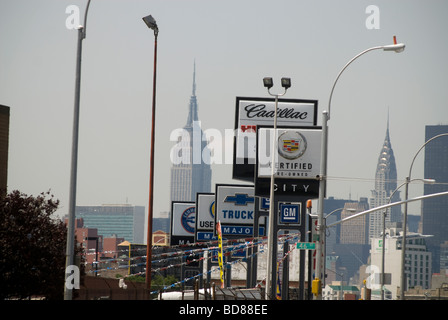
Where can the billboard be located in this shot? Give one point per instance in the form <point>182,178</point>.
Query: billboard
<point>183,217</point>
<point>254,112</point>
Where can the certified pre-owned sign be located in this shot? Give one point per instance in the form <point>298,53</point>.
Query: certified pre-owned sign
<point>234,207</point>
<point>297,154</point>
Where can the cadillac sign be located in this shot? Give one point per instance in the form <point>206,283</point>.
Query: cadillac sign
<point>252,113</point>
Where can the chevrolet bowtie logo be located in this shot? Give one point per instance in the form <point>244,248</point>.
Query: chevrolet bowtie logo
<point>240,199</point>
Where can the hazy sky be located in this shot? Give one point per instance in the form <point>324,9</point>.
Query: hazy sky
<point>235,44</point>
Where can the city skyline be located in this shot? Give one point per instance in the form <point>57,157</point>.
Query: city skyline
<point>234,48</point>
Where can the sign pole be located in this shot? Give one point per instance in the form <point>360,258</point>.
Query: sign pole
<point>271,263</point>
<point>320,262</point>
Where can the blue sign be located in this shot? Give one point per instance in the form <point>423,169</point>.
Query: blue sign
<point>205,236</point>
<point>188,219</point>
<point>264,204</point>
<point>240,230</point>
<point>240,199</point>
<point>290,213</point>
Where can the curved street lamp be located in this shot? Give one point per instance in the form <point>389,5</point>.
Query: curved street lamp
<point>323,166</point>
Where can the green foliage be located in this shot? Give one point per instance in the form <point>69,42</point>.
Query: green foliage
<point>159,282</point>
<point>32,247</point>
<point>139,279</point>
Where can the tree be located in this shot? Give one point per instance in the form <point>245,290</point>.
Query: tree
<point>32,247</point>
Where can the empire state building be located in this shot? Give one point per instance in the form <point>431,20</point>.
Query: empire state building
<point>189,173</point>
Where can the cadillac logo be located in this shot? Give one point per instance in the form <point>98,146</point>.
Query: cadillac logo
<point>291,145</point>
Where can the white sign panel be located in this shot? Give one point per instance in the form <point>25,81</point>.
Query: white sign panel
<point>183,217</point>
<point>235,205</point>
<point>297,156</point>
<point>205,212</point>
<point>258,112</point>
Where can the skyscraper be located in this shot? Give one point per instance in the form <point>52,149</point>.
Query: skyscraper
<point>356,230</point>
<point>434,219</point>
<point>189,173</point>
<point>385,185</point>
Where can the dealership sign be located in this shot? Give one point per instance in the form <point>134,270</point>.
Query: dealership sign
<point>296,164</point>
<point>254,112</point>
<point>183,216</point>
<point>235,209</point>
<point>205,217</point>
<point>297,154</point>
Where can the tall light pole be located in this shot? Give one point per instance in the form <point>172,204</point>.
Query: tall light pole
<point>151,23</point>
<point>268,83</point>
<point>70,245</point>
<point>320,268</point>
<point>405,218</point>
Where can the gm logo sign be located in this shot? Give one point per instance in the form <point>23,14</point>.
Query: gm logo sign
<point>240,199</point>
<point>290,213</point>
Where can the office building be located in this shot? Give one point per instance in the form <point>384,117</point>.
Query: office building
<point>434,219</point>
<point>122,221</point>
<point>418,261</point>
<point>332,210</point>
<point>189,173</point>
<point>355,231</point>
<point>346,243</point>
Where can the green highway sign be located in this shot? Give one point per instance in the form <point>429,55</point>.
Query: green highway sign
<point>306,245</point>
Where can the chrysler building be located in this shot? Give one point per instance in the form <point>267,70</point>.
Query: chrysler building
<point>189,173</point>
<point>385,185</point>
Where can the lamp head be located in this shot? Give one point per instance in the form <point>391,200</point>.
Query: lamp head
<point>397,47</point>
<point>151,23</point>
<point>268,83</point>
<point>286,83</point>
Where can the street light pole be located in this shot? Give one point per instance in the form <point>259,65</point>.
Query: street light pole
<point>286,83</point>
<point>151,23</point>
<point>405,218</point>
<point>70,244</point>
<point>320,259</point>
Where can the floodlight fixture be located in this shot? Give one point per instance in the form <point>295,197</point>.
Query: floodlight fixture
<point>286,83</point>
<point>268,83</point>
